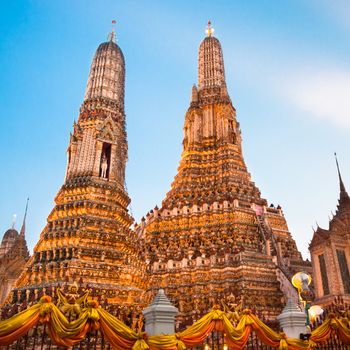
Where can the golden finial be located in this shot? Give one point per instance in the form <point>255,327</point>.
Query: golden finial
<point>111,36</point>
<point>210,29</point>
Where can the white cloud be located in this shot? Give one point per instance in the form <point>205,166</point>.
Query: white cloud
<point>308,77</point>
<point>325,95</point>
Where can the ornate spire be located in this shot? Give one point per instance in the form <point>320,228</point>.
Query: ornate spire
<point>343,193</point>
<point>23,228</point>
<point>212,207</point>
<point>107,73</point>
<point>93,196</point>
<point>211,72</point>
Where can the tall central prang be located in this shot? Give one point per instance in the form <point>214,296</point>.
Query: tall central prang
<point>214,237</point>
<point>87,239</point>
<point>212,167</point>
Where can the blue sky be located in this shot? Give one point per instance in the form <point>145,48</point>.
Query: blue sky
<point>288,74</point>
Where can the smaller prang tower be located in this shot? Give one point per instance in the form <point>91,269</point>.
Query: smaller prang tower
<point>13,256</point>
<point>330,253</point>
<point>214,235</point>
<point>87,239</point>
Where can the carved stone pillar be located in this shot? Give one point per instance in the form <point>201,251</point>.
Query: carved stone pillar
<point>98,154</point>
<point>268,247</point>
<point>113,165</point>
<point>292,320</point>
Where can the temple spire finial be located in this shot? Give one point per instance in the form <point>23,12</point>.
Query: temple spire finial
<point>343,192</point>
<point>112,35</point>
<point>14,217</point>
<point>210,30</point>
<point>23,228</point>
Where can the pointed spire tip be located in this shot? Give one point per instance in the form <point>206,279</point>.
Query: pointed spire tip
<point>342,187</point>
<point>343,194</point>
<point>210,30</point>
<point>23,228</point>
<point>112,35</point>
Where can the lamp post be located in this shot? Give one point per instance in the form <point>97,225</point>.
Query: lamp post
<point>301,282</point>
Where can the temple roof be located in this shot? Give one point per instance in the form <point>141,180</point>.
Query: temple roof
<point>18,250</point>
<point>340,222</point>
<point>320,235</point>
<point>10,234</point>
<point>13,246</point>
<point>343,208</point>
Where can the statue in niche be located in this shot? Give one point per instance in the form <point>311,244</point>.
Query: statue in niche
<point>104,166</point>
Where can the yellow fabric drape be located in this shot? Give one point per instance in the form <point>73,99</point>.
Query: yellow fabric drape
<point>18,325</point>
<point>66,333</point>
<point>118,334</point>
<point>323,332</point>
<point>343,330</point>
<point>121,337</point>
<point>237,337</point>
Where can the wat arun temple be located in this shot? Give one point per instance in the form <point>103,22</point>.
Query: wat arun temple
<point>213,237</point>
